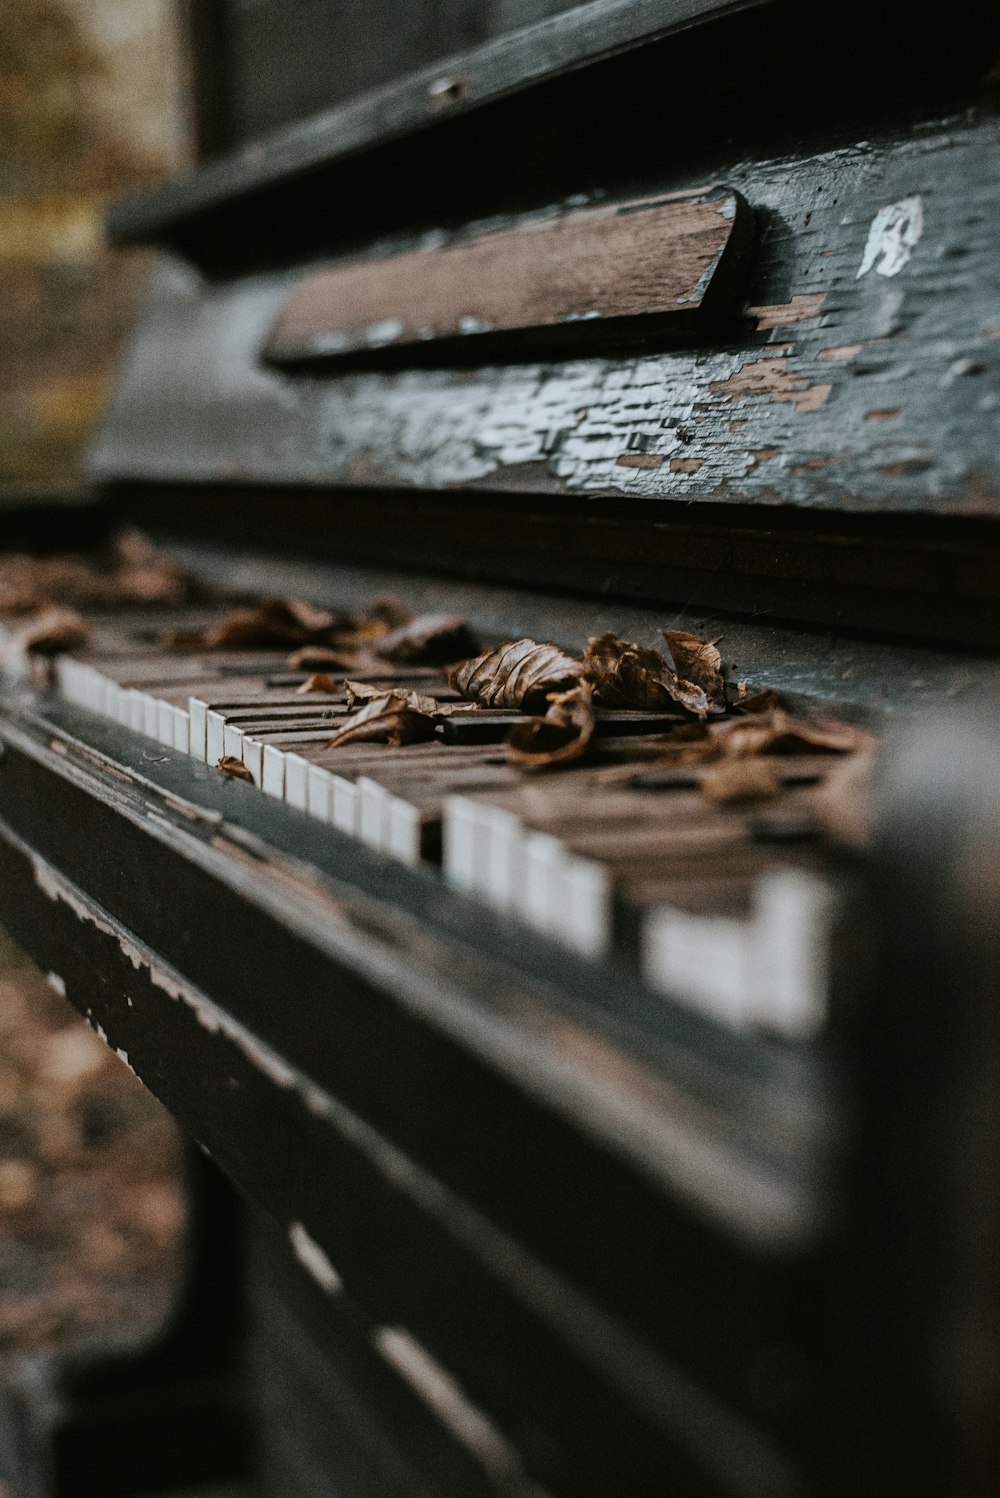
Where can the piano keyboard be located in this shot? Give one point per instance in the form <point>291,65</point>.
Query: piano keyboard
<point>725,907</point>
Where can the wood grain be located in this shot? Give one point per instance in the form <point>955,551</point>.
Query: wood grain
<point>649,258</point>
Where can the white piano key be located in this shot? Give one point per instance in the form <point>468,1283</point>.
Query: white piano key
<point>112,694</point>
<point>297,781</point>
<point>69,678</point>
<point>345,805</point>
<point>125,707</point>
<point>150,715</point>
<point>253,757</point>
<point>582,916</point>
<point>96,686</point>
<point>165,723</point>
<point>215,736</point>
<point>136,710</point>
<point>319,797</point>
<point>404,831</point>
<point>181,727</point>
<point>702,961</point>
<point>198,713</point>
<point>457,834</point>
<point>791,942</point>
<point>504,855</point>
<point>540,881</point>
<point>272,779</point>
<point>373,812</point>
<point>232,741</point>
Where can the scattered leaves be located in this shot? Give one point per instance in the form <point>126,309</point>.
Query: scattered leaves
<point>128,571</point>
<point>363,691</point>
<point>230,765</point>
<point>48,632</point>
<point>318,682</point>
<point>519,674</point>
<point>274,622</point>
<point>429,639</point>
<point>388,718</point>
<point>563,735</point>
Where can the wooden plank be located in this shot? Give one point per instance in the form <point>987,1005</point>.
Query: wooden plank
<point>452,87</point>
<point>649,263</point>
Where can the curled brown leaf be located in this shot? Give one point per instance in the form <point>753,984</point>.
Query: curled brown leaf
<point>385,719</point>
<point>698,661</point>
<point>318,658</point>
<point>431,639</point>
<point>273,622</point>
<point>318,682</point>
<point>520,673</point>
<point>363,691</point>
<point>230,765</point>
<point>563,735</point>
<point>625,674</point>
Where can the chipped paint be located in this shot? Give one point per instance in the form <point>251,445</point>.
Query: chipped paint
<point>888,414</point>
<point>772,378</point>
<point>640,460</point>
<point>686,465</point>
<point>840,353</point>
<point>313,1259</point>
<point>802,307</point>
<point>894,234</point>
<point>442,1393</point>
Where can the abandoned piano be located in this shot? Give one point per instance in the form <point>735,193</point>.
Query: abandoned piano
<point>601,1037</point>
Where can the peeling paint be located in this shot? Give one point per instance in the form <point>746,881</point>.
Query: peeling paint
<point>313,1259</point>
<point>840,353</point>
<point>640,460</point>
<point>802,307</point>
<point>686,465</point>
<point>771,379</point>
<point>441,1392</point>
<point>889,414</point>
<point>895,231</point>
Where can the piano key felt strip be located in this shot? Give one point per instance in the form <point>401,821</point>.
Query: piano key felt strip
<point>724,907</point>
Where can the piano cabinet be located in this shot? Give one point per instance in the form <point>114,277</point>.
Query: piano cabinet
<point>476,1210</point>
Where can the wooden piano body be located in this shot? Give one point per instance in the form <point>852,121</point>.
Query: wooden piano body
<point>609,316</point>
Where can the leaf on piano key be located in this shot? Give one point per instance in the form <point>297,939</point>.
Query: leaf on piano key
<point>363,691</point>
<point>563,735</point>
<point>429,639</point>
<point>230,765</point>
<point>779,732</point>
<point>699,662</point>
<point>319,681</point>
<point>48,632</point>
<point>275,621</point>
<point>636,676</point>
<point>319,658</point>
<point>519,674</point>
<point>388,718</point>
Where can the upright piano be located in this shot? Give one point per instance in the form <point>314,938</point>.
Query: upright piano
<point>595,1089</point>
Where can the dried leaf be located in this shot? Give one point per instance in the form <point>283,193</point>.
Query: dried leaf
<point>385,719</point>
<point>230,765</point>
<point>318,682</point>
<point>47,633</point>
<point>562,736</point>
<point>698,662</point>
<point>363,691</point>
<point>757,702</point>
<point>431,639</point>
<point>778,732</point>
<point>273,622</point>
<point>636,676</point>
<point>318,658</point>
<point>520,673</point>
<point>731,781</point>
<point>384,616</point>
<point>130,570</point>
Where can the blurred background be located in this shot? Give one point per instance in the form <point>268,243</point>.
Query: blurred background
<point>90,108</point>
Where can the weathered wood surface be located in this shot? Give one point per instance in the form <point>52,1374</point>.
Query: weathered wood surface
<point>620,265</point>
<point>861,376</point>
<point>452,86</point>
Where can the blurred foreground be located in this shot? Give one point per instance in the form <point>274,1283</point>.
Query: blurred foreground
<point>90,1204</point>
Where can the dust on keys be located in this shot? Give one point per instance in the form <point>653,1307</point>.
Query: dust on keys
<point>724,904</point>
